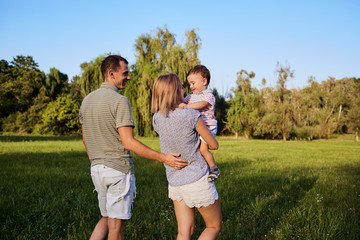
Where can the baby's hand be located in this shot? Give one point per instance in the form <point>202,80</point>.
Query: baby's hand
<point>182,105</point>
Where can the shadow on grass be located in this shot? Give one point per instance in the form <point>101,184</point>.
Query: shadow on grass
<point>268,214</point>
<point>254,201</point>
<point>50,196</point>
<point>352,170</point>
<point>43,193</point>
<point>38,138</point>
<point>54,190</point>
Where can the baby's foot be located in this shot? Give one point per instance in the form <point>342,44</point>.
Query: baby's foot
<point>213,173</point>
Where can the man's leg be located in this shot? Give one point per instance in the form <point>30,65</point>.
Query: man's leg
<point>116,229</point>
<point>100,231</point>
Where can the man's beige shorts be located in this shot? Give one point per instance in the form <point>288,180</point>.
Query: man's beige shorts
<point>116,191</point>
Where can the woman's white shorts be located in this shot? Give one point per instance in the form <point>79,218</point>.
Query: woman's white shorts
<point>197,194</point>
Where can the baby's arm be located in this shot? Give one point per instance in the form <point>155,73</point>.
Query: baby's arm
<point>198,105</point>
<point>182,105</point>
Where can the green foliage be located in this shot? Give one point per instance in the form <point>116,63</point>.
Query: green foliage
<point>233,114</point>
<point>243,114</point>
<point>282,95</point>
<point>55,83</point>
<point>91,77</point>
<point>353,119</point>
<point>29,98</point>
<point>40,91</point>
<point>21,81</point>
<point>157,54</point>
<point>6,102</point>
<point>325,108</point>
<point>60,117</point>
<point>221,108</point>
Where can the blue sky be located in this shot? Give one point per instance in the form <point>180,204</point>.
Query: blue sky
<point>316,38</point>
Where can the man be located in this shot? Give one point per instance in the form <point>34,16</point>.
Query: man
<point>108,137</point>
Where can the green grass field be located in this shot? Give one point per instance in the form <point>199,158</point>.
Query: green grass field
<point>267,189</point>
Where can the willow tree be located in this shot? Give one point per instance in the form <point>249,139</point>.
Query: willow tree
<point>56,83</point>
<point>91,77</point>
<point>156,54</point>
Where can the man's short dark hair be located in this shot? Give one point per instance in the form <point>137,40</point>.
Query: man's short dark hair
<point>205,73</point>
<point>111,62</point>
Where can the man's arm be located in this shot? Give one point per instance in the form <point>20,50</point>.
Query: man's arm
<point>83,137</point>
<point>196,105</point>
<point>133,145</point>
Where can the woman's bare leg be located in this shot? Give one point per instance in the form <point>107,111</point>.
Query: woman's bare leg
<point>213,218</point>
<point>185,217</point>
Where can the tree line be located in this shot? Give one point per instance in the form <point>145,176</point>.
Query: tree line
<point>33,102</point>
<point>316,111</point>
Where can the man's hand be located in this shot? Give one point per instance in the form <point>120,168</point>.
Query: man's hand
<point>182,105</point>
<point>133,145</point>
<point>173,161</point>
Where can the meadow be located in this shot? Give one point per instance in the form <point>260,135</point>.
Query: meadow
<point>267,189</point>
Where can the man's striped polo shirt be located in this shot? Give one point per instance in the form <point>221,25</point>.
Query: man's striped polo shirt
<point>102,112</point>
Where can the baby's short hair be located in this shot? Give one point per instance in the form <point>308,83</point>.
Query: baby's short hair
<point>205,73</point>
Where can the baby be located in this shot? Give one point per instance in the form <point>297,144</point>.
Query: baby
<point>203,100</point>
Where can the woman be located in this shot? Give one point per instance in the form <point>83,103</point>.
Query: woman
<point>179,131</point>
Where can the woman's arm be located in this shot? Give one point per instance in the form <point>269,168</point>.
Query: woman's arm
<point>206,135</point>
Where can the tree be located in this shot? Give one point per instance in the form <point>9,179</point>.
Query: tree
<point>91,76</point>
<point>302,107</point>
<point>276,120</point>
<point>353,119</point>
<point>6,98</point>
<point>60,117</point>
<point>243,113</point>
<point>282,95</point>
<point>221,107</point>
<point>20,84</point>
<point>75,91</point>
<point>27,92</point>
<point>157,54</point>
<point>243,82</point>
<point>268,126</point>
<point>324,104</point>
<point>233,115</point>
<point>55,83</point>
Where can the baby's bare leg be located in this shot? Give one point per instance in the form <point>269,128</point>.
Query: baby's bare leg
<point>204,150</point>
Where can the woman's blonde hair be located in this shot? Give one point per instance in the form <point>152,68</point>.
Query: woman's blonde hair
<point>167,94</point>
